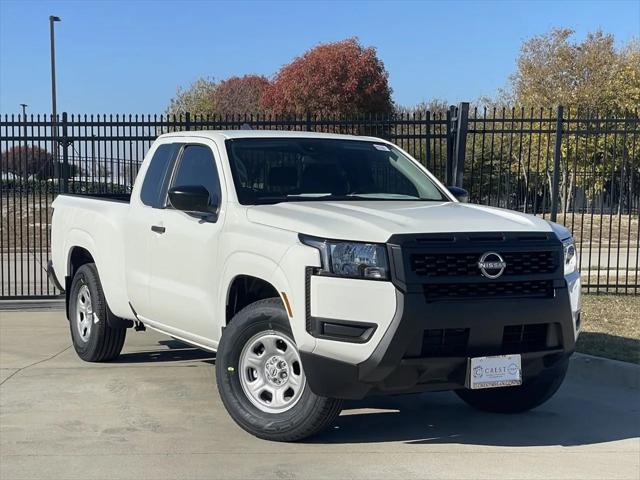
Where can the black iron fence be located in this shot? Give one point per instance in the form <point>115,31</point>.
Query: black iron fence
<point>581,170</point>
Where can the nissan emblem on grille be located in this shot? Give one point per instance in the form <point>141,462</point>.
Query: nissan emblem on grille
<point>491,265</point>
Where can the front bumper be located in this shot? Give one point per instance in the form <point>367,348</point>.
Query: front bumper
<point>405,360</point>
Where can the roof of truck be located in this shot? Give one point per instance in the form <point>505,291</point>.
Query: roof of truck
<point>231,134</point>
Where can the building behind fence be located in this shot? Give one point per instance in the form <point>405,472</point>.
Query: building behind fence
<point>580,169</point>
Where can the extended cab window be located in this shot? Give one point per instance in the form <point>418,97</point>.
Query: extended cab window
<point>154,180</point>
<point>197,167</point>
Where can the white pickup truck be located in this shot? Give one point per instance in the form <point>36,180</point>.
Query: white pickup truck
<point>319,268</point>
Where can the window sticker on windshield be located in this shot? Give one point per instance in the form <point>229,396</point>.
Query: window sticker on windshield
<point>383,148</point>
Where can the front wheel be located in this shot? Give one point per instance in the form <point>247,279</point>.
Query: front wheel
<point>261,380</point>
<point>527,396</point>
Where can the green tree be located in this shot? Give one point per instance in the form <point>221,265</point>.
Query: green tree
<point>199,98</point>
<point>590,75</point>
<point>592,79</point>
<point>436,106</point>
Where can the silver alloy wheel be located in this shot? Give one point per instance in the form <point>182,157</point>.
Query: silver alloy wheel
<point>271,372</point>
<point>84,313</point>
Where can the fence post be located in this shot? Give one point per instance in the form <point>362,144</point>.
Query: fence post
<point>450,141</point>
<point>460,145</point>
<point>308,121</point>
<point>187,121</point>
<point>427,141</point>
<point>556,166</point>
<point>64,141</point>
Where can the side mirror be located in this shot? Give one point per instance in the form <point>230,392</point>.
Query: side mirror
<point>460,193</point>
<point>193,198</point>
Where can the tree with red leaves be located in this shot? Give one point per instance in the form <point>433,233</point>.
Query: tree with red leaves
<point>24,161</point>
<point>240,95</point>
<point>341,78</point>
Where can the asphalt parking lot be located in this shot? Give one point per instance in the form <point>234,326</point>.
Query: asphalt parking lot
<point>156,414</point>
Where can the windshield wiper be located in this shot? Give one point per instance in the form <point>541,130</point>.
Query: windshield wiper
<point>309,195</point>
<point>384,196</point>
<point>273,199</point>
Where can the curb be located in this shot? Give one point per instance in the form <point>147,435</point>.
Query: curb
<point>17,305</point>
<point>603,371</point>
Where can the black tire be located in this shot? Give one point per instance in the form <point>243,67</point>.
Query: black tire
<point>529,395</point>
<point>101,342</point>
<point>310,415</point>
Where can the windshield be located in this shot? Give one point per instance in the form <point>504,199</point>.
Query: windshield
<point>273,170</point>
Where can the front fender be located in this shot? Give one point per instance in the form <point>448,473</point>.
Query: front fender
<point>252,264</point>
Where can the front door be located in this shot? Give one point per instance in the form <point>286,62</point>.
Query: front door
<point>184,254</point>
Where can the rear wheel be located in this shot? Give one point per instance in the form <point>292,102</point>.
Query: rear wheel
<point>93,338</point>
<point>261,380</point>
<point>527,396</point>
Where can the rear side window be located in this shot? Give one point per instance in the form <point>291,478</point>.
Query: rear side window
<point>152,193</point>
<point>198,167</point>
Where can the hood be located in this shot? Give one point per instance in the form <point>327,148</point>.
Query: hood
<point>376,221</point>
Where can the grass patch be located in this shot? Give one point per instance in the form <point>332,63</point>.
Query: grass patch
<point>611,327</point>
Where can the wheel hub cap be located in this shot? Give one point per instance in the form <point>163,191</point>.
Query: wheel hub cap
<point>84,313</point>
<point>271,372</point>
<point>276,370</point>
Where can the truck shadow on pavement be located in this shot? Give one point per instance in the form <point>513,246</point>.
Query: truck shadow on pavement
<point>581,413</point>
<point>571,418</point>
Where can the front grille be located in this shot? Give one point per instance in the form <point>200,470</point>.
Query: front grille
<point>445,265</point>
<point>524,338</point>
<point>445,342</point>
<point>536,289</point>
<point>466,264</point>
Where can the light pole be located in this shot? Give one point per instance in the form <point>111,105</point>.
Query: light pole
<point>54,126</point>
<point>52,20</point>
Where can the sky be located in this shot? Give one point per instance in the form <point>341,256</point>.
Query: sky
<point>127,56</point>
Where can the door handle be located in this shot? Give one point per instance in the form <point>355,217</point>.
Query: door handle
<point>158,229</point>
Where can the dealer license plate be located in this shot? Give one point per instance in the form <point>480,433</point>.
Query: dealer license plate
<point>492,372</point>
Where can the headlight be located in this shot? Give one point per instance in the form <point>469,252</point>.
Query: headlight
<point>570,257</point>
<point>351,259</point>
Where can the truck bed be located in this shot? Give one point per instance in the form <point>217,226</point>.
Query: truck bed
<point>95,223</point>
<point>109,197</point>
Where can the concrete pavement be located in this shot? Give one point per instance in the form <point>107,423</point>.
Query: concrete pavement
<point>156,414</point>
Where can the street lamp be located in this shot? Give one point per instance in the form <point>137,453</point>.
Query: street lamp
<point>54,126</point>
<point>52,20</point>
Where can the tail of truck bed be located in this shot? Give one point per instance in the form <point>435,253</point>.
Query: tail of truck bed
<point>90,228</point>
